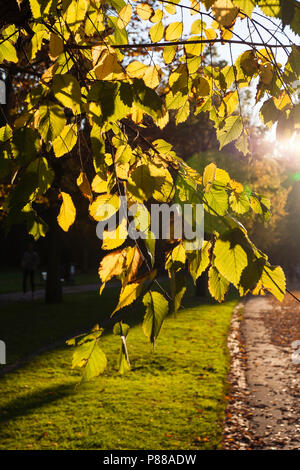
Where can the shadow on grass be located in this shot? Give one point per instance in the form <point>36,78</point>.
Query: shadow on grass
<point>36,329</point>
<point>23,405</point>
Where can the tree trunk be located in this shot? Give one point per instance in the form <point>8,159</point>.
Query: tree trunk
<point>85,256</point>
<point>201,285</point>
<point>53,283</point>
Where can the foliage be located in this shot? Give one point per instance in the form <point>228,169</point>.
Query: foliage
<point>89,91</point>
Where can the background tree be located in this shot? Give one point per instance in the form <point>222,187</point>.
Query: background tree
<point>86,90</point>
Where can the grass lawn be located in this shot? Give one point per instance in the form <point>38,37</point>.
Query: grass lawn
<point>11,280</point>
<point>174,397</point>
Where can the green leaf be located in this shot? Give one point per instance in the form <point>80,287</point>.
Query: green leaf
<point>178,287</point>
<point>216,201</point>
<point>52,121</point>
<point>268,112</point>
<point>156,311</point>
<point>35,225</point>
<point>114,98</point>
<point>248,62</point>
<point>242,144</point>
<point>246,6</point>
<point>217,284</point>
<point>150,181</point>
<point>44,174</point>
<point>251,275</point>
<point>66,90</point>
<point>67,139</point>
<point>123,359</point>
<point>230,258</point>
<point>176,258</point>
<point>146,99</point>
<point>231,130</point>
<point>122,329</point>
<point>90,355</point>
<point>199,260</point>
<point>183,113</point>
<point>273,280</point>
<point>239,203</point>
<point>25,145</point>
<point>8,51</point>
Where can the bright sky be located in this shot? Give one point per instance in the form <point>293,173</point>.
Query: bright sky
<point>270,32</point>
<point>267,31</point>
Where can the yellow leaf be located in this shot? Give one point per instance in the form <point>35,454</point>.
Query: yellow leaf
<point>224,12</point>
<point>129,294</point>
<point>136,69</point>
<point>67,213</point>
<point>152,76</point>
<point>84,185</point>
<point>48,75</point>
<point>75,14</point>
<point>122,170</point>
<point>156,32</point>
<point>169,53</point>
<point>112,265</point>
<point>197,27</point>
<point>158,16</point>
<point>131,291</point>
<point>236,186</point>
<point>114,238</point>
<point>133,262</point>
<point>171,9</point>
<point>124,16</point>
<point>104,206</point>
<point>144,11</point>
<point>210,34</point>
<point>99,185</point>
<point>107,66</point>
<point>174,31</point>
<point>196,48</point>
<point>209,176</point>
<point>66,140</point>
<point>137,114</point>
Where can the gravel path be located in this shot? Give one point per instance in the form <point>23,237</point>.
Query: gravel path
<point>264,409</point>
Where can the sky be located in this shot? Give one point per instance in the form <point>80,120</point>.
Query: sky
<point>269,32</point>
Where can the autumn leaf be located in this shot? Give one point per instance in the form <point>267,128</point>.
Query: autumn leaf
<point>67,213</point>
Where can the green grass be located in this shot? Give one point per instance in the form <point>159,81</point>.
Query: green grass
<point>11,280</point>
<point>174,397</point>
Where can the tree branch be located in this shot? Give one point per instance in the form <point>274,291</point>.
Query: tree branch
<point>181,43</point>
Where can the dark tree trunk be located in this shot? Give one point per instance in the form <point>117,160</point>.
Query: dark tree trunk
<point>201,285</point>
<point>85,255</point>
<point>53,283</point>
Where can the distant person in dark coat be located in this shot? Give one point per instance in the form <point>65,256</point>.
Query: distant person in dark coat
<point>30,262</point>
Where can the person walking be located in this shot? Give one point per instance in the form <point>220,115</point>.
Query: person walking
<point>30,262</point>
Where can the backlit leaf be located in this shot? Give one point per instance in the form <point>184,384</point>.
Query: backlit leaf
<point>67,213</point>
<point>156,311</point>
